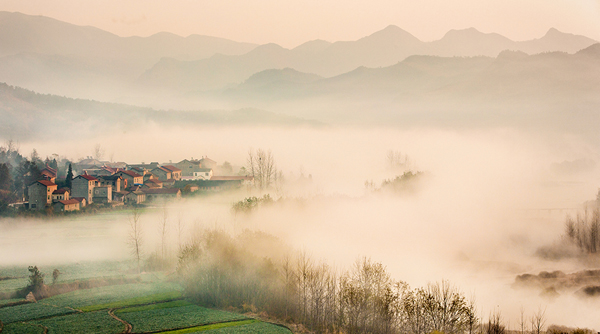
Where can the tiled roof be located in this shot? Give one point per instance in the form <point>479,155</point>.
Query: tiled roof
<point>172,168</point>
<point>46,183</point>
<point>69,201</point>
<point>109,177</point>
<point>207,159</point>
<point>130,173</point>
<point>61,191</point>
<point>88,177</point>
<point>79,199</point>
<point>47,172</point>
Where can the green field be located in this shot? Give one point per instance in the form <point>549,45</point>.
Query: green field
<point>153,304</point>
<point>4,302</point>
<point>156,319</point>
<point>91,322</point>
<point>22,328</point>
<point>114,295</point>
<point>31,311</point>
<point>254,328</point>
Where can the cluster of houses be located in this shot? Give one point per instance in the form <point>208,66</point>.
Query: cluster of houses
<point>120,183</point>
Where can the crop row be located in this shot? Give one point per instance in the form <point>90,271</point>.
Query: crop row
<point>91,322</point>
<point>156,319</point>
<point>31,311</point>
<point>22,328</point>
<point>116,296</point>
<point>238,327</point>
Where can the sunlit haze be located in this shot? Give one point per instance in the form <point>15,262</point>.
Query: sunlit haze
<point>290,23</point>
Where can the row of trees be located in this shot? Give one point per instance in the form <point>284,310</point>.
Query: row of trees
<point>218,272</point>
<point>17,172</point>
<point>261,166</point>
<point>584,230</point>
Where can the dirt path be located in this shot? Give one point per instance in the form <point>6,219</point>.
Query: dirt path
<point>127,329</point>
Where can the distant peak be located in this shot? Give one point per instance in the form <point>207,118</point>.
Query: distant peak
<point>392,31</point>
<point>392,27</point>
<point>270,46</point>
<point>470,31</point>
<point>553,31</point>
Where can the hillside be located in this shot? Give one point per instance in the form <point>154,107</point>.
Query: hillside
<point>55,57</point>
<point>381,49</point>
<point>29,115</point>
<point>546,90</point>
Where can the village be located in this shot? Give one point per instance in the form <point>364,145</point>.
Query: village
<point>116,184</point>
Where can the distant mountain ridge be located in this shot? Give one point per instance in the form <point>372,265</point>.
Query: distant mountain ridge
<point>380,49</point>
<point>55,57</point>
<point>551,89</point>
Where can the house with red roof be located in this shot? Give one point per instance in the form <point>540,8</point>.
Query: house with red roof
<point>83,186</point>
<point>130,178</point>
<point>66,205</point>
<point>82,201</point>
<point>162,173</point>
<point>49,173</point>
<point>61,194</point>
<point>153,183</point>
<point>175,172</point>
<point>40,194</point>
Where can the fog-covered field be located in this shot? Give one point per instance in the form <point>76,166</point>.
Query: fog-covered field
<point>488,201</point>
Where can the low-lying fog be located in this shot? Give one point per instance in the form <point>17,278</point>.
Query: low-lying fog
<point>488,201</point>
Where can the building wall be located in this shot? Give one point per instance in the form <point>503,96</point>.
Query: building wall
<point>103,194</point>
<point>40,196</point>
<point>63,208</point>
<point>161,174</point>
<point>81,187</point>
<point>187,168</point>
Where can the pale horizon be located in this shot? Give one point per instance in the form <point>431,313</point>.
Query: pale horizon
<point>292,23</point>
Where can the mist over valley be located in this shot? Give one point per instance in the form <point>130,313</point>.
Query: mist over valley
<point>395,168</point>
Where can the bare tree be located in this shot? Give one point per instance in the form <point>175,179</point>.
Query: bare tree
<point>522,320</point>
<point>261,166</point>
<point>538,321</point>
<point>396,160</point>
<point>135,235</point>
<point>471,319</point>
<point>98,152</point>
<point>494,325</point>
<point>163,230</point>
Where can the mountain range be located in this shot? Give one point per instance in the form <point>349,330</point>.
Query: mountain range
<point>50,56</point>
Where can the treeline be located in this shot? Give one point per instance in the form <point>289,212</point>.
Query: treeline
<point>226,272</point>
<point>584,230</point>
<point>17,172</point>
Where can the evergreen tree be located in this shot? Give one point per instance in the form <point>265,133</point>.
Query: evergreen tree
<point>4,177</point>
<point>53,164</point>
<point>69,178</point>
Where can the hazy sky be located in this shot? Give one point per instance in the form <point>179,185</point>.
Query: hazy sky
<point>292,22</point>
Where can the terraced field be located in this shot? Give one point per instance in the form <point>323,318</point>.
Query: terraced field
<point>158,317</point>
<point>153,307</point>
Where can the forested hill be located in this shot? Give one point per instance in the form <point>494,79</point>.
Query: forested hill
<point>27,115</point>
